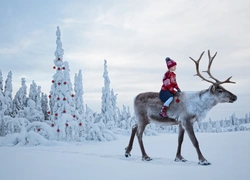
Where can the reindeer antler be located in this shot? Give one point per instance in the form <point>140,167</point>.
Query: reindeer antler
<point>217,82</point>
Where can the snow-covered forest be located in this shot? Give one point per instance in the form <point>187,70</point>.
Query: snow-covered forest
<point>33,117</point>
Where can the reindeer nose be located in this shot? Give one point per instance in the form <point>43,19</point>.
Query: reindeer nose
<point>234,98</point>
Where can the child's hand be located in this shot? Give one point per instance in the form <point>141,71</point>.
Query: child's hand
<point>177,93</point>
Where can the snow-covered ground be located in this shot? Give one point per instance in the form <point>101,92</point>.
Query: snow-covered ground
<point>229,154</point>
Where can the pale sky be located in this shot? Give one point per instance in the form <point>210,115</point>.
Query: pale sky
<point>135,37</point>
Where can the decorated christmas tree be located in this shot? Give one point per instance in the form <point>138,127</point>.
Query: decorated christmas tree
<point>62,108</point>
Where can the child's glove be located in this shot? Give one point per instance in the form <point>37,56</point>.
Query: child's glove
<point>177,93</point>
<point>178,90</point>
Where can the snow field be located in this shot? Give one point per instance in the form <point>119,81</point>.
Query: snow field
<point>93,160</point>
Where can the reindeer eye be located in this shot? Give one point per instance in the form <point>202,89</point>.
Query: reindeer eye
<point>220,90</point>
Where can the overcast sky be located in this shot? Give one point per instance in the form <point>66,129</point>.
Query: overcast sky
<point>135,37</point>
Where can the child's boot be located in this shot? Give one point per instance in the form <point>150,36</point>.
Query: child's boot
<point>163,112</point>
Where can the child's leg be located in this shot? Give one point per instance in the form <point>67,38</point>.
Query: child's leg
<point>163,112</point>
<point>168,101</point>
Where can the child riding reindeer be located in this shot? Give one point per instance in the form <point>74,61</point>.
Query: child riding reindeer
<point>169,87</point>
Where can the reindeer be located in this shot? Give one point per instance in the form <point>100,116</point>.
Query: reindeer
<point>190,107</point>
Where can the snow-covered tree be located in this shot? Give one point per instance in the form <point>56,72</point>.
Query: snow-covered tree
<point>2,99</point>
<point>33,91</point>
<point>44,105</point>
<point>3,107</point>
<point>124,120</point>
<point>218,126</point>
<point>20,99</point>
<point>61,95</point>
<point>107,104</point>
<point>35,95</point>
<point>78,88</point>
<point>8,95</point>
<point>247,118</point>
<point>113,98</point>
<point>95,129</point>
<point>30,112</point>
<point>56,96</point>
<point>209,126</point>
<point>68,90</point>
<point>1,82</point>
<point>38,99</point>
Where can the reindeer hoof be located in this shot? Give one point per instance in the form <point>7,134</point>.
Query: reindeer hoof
<point>180,160</point>
<point>204,163</point>
<point>127,154</point>
<point>146,159</point>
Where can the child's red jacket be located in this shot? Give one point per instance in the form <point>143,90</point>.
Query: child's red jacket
<point>169,82</point>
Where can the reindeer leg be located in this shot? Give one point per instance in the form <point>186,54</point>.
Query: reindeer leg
<point>139,134</point>
<point>179,157</point>
<point>131,141</point>
<point>191,134</point>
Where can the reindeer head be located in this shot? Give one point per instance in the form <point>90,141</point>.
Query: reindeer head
<point>221,94</point>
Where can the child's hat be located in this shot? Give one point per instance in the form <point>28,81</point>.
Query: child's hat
<point>170,62</point>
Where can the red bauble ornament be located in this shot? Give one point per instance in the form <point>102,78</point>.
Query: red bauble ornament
<point>80,124</point>
<point>64,99</point>
<point>52,125</point>
<point>72,95</point>
<point>48,112</point>
<point>54,67</point>
<point>74,116</point>
<point>58,69</point>
<point>58,98</point>
<point>58,130</point>
<point>59,83</point>
<point>38,129</point>
<point>65,83</point>
<point>63,68</point>
<point>49,96</point>
<point>64,111</point>
<point>177,100</point>
<point>59,59</point>
<point>66,124</point>
<point>52,81</point>
<point>56,114</point>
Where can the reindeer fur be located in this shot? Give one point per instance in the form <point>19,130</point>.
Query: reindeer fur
<point>192,106</point>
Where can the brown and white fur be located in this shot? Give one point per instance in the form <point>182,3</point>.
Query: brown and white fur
<point>192,106</point>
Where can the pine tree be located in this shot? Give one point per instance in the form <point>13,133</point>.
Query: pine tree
<point>62,108</point>
<point>1,82</point>
<point>107,107</point>
<point>68,91</point>
<point>2,99</point>
<point>8,95</point>
<point>2,106</point>
<point>56,87</point>
<point>38,99</point>
<point>113,97</point>
<point>20,100</point>
<point>124,118</point>
<point>78,88</point>
<point>44,105</point>
<point>31,113</point>
<point>33,91</point>
<point>35,95</point>
<point>2,109</point>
